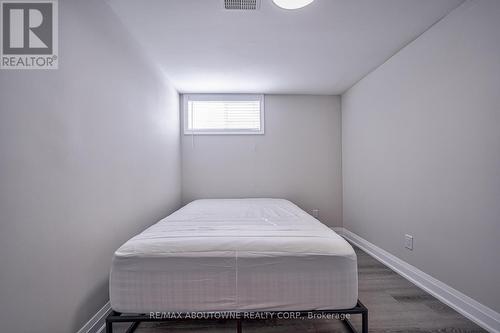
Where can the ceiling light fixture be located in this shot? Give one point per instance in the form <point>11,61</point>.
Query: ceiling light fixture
<point>292,4</point>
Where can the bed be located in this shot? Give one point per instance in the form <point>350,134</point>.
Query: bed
<point>236,255</point>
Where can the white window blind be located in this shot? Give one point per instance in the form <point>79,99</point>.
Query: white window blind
<point>223,114</point>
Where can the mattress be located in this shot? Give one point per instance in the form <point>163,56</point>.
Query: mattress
<point>234,255</point>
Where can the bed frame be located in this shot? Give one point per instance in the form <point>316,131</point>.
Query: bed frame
<point>116,317</point>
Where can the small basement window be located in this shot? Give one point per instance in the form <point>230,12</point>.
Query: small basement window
<point>223,114</point>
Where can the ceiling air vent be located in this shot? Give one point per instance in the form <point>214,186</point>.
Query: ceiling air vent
<point>242,4</point>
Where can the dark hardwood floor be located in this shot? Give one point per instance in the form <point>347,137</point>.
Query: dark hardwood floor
<point>394,304</point>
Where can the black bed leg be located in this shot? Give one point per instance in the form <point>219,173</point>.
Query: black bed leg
<point>238,326</point>
<point>109,326</point>
<point>364,322</point>
<point>109,321</point>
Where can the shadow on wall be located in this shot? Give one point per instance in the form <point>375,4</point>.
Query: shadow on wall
<point>88,305</point>
<point>90,156</point>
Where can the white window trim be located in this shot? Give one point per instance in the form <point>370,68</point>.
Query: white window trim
<point>216,97</point>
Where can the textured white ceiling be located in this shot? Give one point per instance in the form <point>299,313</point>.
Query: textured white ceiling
<point>323,48</point>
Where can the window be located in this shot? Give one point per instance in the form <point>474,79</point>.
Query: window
<point>223,114</point>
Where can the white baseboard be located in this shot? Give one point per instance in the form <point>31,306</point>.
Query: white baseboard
<point>97,323</point>
<point>338,230</point>
<point>468,307</point>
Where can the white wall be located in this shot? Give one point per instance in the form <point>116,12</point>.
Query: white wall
<point>421,152</point>
<point>89,156</point>
<point>298,158</point>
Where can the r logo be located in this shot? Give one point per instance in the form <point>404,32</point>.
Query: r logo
<point>27,28</point>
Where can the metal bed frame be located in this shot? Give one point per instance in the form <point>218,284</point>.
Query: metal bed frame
<point>135,320</point>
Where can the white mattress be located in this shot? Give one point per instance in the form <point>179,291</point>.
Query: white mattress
<point>234,255</point>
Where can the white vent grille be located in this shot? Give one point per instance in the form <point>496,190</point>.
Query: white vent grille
<point>242,4</point>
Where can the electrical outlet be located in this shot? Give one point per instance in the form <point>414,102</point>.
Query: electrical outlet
<point>315,213</point>
<point>409,242</point>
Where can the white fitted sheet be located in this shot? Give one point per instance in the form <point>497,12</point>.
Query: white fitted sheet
<point>234,255</point>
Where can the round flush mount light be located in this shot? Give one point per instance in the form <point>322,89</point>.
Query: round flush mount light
<point>292,4</point>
